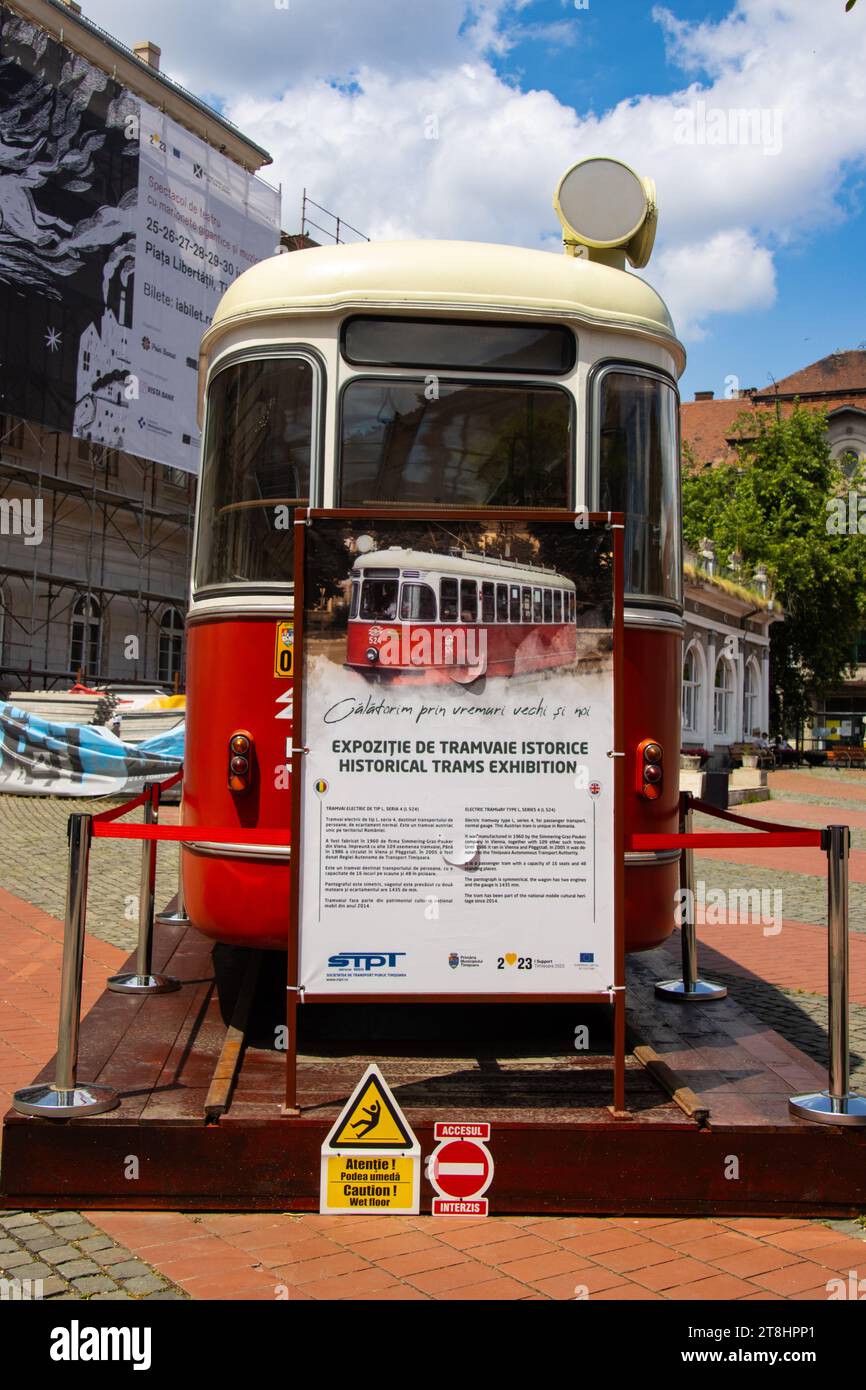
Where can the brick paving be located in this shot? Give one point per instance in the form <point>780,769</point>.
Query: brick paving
<point>107,1255</point>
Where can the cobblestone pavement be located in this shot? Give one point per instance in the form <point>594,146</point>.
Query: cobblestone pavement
<point>61,1255</point>
<point>33,863</point>
<point>801,1018</point>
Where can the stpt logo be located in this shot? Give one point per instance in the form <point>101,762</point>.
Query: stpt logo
<point>365,960</point>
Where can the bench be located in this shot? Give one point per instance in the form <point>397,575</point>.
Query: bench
<point>764,755</point>
<point>846,757</point>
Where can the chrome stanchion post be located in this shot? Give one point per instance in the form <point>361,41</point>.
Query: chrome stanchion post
<point>178,918</point>
<point>142,980</point>
<point>690,989</point>
<point>838,1105</point>
<point>65,1097</point>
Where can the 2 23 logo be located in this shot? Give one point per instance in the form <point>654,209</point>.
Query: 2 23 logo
<point>512,958</point>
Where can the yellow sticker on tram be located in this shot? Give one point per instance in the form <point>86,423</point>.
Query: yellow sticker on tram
<point>284,656</point>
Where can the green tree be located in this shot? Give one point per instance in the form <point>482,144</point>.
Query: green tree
<point>776,506</point>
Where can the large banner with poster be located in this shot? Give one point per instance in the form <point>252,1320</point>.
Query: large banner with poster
<point>455,820</point>
<point>119,232</point>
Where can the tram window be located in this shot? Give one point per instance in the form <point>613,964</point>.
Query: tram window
<point>379,599</point>
<point>448,600</point>
<point>515,604</point>
<point>492,347</point>
<point>488,603</point>
<point>536,606</point>
<point>502,603</point>
<point>474,445</point>
<point>256,469</point>
<point>418,603</point>
<point>468,601</point>
<point>639,475</point>
<point>548,606</point>
<point>526,595</point>
<point>356,594</point>
<point>557,606</point>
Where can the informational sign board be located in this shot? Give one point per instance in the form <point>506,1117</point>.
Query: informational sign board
<point>455,822</point>
<point>119,232</point>
<point>371,1160</point>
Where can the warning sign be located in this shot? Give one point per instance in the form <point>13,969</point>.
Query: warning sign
<point>369,1183</point>
<point>372,1119</point>
<point>285,652</point>
<point>371,1160</point>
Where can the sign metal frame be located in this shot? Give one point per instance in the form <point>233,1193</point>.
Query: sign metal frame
<point>616,995</point>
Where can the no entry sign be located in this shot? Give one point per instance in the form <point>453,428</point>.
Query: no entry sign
<point>461,1170</point>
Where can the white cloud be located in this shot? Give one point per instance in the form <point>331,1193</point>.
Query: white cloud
<point>360,147</point>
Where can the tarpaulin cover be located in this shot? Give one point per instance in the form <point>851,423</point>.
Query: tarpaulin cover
<point>41,758</point>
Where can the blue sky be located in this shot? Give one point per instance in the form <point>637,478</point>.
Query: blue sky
<point>761,238</point>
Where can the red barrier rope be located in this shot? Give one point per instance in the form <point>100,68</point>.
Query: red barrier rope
<point>117,811</point>
<point>772,834</point>
<point>729,840</point>
<point>212,834</point>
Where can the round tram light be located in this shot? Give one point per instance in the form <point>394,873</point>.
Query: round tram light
<point>240,743</point>
<point>652,753</point>
<point>372,655</point>
<point>652,792</point>
<point>652,773</point>
<point>605,206</point>
<point>240,766</point>
<point>364,544</point>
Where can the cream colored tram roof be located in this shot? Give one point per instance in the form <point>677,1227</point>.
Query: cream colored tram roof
<point>463,275</point>
<point>470,566</point>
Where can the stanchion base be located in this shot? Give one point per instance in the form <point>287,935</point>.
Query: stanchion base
<point>699,993</point>
<point>173,919</point>
<point>829,1110</point>
<point>143,984</point>
<point>56,1104</point>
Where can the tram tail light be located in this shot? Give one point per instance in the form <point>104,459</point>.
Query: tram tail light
<point>650,772</point>
<point>240,761</point>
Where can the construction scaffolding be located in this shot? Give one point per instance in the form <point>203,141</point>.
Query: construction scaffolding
<point>112,550</point>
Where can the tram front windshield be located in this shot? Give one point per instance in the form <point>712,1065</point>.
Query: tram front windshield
<point>457,444</point>
<point>379,599</point>
<point>256,470</point>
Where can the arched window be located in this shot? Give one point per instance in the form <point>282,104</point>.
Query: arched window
<point>723,696</point>
<point>170,646</point>
<point>751,698</point>
<point>692,689</point>
<point>85,642</point>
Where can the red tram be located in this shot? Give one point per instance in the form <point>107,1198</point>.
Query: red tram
<point>555,388</point>
<point>457,617</point>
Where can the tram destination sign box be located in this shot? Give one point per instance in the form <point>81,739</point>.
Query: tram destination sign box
<point>455,803</point>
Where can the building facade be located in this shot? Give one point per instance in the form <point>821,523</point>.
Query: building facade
<point>837,384</point>
<point>94,542</point>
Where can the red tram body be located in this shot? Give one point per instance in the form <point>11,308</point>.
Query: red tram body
<point>555,388</point>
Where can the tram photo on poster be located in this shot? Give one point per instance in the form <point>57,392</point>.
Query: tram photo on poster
<point>457,799</point>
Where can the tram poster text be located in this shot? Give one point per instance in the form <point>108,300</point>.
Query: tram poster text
<point>457,828</point>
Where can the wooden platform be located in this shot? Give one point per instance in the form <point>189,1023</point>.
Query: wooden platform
<point>556,1144</point>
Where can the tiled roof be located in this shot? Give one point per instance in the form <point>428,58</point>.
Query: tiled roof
<point>841,372</point>
<point>830,384</point>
